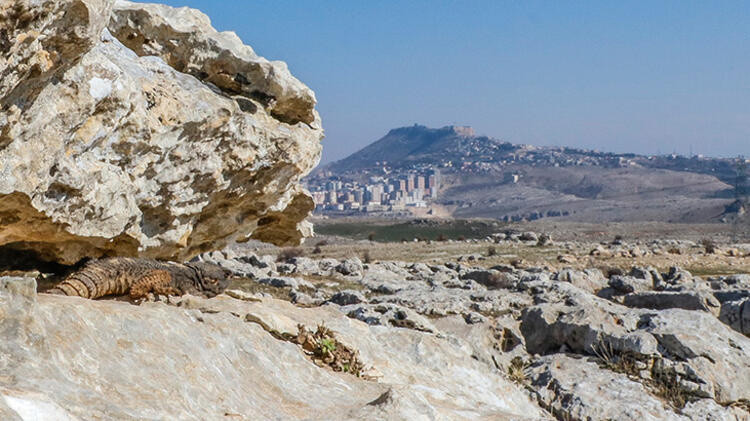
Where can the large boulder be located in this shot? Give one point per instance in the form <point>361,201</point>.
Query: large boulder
<point>110,147</point>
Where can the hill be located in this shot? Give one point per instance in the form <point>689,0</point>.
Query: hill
<point>487,177</point>
<point>418,144</point>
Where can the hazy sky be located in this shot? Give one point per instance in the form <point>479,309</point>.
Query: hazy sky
<point>624,76</point>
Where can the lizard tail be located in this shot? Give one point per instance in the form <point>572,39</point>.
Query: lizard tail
<point>76,285</point>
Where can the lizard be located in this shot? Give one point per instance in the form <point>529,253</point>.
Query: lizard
<point>138,277</point>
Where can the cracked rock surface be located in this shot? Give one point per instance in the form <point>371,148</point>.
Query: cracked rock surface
<point>675,346</point>
<point>138,129</point>
<point>65,359</point>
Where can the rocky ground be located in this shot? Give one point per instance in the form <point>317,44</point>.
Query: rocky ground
<point>303,336</point>
<point>139,130</point>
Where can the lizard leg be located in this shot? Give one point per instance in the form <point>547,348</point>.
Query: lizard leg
<point>166,290</point>
<point>155,280</point>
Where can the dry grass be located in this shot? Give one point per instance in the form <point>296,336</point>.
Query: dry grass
<point>667,387</point>
<point>664,385</point>
<point>517,370</point>
<point>619,362</point>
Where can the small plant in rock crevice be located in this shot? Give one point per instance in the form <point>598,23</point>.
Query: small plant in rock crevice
<point>619,362</point>
<point>665,384</point>
<point>517,370</point>
<point>325,350</point>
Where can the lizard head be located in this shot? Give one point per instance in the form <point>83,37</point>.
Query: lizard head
<point>212,279</point>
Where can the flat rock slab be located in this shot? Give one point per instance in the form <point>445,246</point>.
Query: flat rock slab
<point>218,359</point>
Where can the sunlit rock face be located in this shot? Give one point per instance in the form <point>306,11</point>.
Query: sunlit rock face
<point>138,129</point>
<point>64,358</point>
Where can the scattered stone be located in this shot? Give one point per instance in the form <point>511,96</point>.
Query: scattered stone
<point>693,300</point>
<point>628,284</point>
<point>348,297</point>
<point>600,251</point>
<point>566,258</point>
<point>677,275</point>
<point>242,295</point>
<point>474,318</point>
<point>350,267</point>
<point>388,315</point>
<point>573,320</point>
<point>491,278</point>
<point>301,265</point>
<point>544,240</point>
<point>286,282</point>
<point>591,280</point>
<point>305,300</point>
<point>226,339</point>
<point>713,356</point>
<point>528,236</point>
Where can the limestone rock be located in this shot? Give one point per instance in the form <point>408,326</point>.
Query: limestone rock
<point>103,151</point>
<point>286,282</point>
<point>65,358</point>
<point>693,300</point>
<point>388,315</point>
<point>574,320</point>
<point>350,267</point>
<point>185,39</point>
<point>628,284</point>
<point>492,279</point>
<point>715,355</point>
<point>576,389</point>
<point>708,358</point>
<point>591,280</point>
<point>709,410</point>
<point>348,297</point>
<point>736,314</point>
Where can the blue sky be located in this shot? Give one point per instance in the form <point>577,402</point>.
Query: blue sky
<point>622,76</point>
